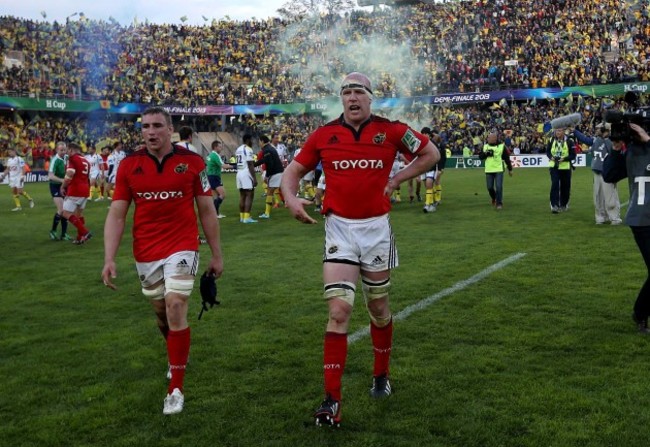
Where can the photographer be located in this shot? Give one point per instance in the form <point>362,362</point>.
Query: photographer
<point>606,201</point>
<point>561,153</point>
<point>630,159</point>
<point>495,155</point>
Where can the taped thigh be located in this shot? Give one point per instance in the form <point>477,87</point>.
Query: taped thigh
<point>374,290</point>
<point>180,286</point>
<point>157,293</point>
<point>341,290</point>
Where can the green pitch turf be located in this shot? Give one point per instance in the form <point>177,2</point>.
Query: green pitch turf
<point>539,351</point>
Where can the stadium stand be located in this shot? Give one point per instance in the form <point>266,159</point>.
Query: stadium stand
<point>455,46</point>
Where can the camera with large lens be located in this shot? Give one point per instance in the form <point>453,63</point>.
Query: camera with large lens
<point>620,123</point>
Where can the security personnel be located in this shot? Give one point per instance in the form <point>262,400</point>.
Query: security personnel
<point>561,154</point>
<point>495,155</point>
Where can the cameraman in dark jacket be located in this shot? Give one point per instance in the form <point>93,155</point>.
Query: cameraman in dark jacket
<point>561,153</point>
<point>632,160</point>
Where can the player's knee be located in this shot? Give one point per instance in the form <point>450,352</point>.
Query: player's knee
<point>374,290</point>
<point>341,290</point>
<point>180,286</point>
<point>157,293</point>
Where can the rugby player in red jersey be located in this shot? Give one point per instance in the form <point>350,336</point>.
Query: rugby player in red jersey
<point>357,152</point>
<point>75,190</point>
<point>164,182</point>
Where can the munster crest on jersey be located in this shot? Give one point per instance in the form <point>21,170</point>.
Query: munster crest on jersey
<point>379,138</point>
<point>180,168</point>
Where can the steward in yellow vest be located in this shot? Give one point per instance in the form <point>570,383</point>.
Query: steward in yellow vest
<point>496,156</point>
<point>561,153</point>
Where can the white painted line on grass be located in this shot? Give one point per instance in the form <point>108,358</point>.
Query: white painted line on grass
<point>426,302</point>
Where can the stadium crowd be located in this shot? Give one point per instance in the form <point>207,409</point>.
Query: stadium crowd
<point>457,46</point>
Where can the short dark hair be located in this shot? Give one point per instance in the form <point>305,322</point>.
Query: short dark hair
<point>185,132</point>
<point>215,143</point>
<point>155,110</point>
<point>264,139</point>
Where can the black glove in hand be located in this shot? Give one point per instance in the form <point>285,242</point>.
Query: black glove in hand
<point>208,287</point>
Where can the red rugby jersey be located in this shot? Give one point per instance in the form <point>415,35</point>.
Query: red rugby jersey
<point>80,184</point>
<point>164,221</point>
<point>357,164</point>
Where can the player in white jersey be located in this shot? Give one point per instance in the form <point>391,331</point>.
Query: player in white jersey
<point>246,178</point>
<point>16,173</point>
<point>113,163</point>
<point>96,172</point>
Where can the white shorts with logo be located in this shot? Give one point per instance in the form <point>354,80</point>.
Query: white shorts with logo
<point>369,243</point>
<point>178,264</point>
<point>70,204</point>
<point>275,180</point>
<point>244,180</point>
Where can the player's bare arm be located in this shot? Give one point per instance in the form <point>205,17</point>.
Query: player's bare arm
<point>210,225</point>
<point>289,187</point>
<point>113,231</point>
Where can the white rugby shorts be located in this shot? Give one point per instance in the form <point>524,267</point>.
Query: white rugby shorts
<point>70,204</point>
<point>275,180</point>
<point>17,181</point>
<point>429,174</point>
<point>244,180</point>
<point>369,243</point>
<point>178,264</point>
<point>309,177</point>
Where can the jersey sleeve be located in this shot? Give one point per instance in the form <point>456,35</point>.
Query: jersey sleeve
<point>409,142</point>
<point>201,182</point>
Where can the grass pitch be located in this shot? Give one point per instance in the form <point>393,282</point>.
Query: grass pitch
<point>538,352</point>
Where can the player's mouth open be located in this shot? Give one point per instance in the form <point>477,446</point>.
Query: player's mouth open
<point>353,108</point>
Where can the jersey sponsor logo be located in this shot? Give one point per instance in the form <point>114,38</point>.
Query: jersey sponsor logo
<point>411,141</point>
<point>159,195</point>
<point>379,138</point>
<point>361,164</point>
<point>332,366</point>
<point>181,168</point>
<point>333,140</point>
<point>205,183</point>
